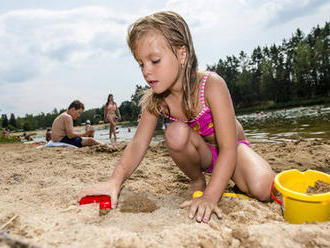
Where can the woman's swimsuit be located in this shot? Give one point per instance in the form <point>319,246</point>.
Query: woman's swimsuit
<point>111,114</point>
<point>203,124</point>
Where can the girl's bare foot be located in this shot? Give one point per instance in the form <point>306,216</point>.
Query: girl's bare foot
<point>198,184</point>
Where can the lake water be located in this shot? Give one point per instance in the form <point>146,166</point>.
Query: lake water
<point>287,125</point>
<point>272,126</point>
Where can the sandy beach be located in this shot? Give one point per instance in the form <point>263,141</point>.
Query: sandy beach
<point>39,205</point>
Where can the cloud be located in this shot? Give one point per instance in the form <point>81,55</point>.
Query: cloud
<point>57,37</point>
<point>286,11</point>
<point>19,72</point>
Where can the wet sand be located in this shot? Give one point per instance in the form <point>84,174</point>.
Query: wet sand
<point>39,207</point>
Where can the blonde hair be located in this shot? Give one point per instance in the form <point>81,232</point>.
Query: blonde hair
<point>176,32</point>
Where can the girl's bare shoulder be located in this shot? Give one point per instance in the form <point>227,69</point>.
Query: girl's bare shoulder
<point>214,82</point>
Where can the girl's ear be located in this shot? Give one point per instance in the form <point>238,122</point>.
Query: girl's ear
<point>182,54</point>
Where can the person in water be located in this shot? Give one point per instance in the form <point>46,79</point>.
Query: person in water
<point>203,136</point>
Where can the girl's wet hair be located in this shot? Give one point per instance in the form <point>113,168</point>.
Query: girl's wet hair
<point>176,32</point>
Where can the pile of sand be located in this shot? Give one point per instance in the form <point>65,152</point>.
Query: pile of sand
<point>39,189</point>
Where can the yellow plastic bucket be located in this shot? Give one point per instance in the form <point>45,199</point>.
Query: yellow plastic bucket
<point>299,207</point>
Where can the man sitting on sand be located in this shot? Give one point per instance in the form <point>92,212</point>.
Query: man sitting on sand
<point>62,129</point>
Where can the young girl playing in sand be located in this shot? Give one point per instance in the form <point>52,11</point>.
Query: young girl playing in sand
<point>204,135</point>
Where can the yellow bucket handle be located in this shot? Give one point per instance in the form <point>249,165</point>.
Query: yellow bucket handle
<point>273,196</point>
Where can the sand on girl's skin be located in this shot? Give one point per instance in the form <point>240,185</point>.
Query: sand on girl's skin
<point>39,189</point>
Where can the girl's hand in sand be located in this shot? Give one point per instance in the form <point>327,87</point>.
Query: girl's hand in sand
<point>104,188</point>
<point>202,208</point>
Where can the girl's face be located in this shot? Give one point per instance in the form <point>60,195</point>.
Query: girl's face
<point>160,67</point>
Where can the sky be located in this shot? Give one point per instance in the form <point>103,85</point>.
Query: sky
<point>53,52</point>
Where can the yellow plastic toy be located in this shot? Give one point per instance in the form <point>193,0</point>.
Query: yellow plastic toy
<point>199,193</point>
<point>236,195</point>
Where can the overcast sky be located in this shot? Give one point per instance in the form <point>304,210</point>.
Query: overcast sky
<point>53,52</point>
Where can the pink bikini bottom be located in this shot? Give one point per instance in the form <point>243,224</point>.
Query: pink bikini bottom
<point>215,152</point>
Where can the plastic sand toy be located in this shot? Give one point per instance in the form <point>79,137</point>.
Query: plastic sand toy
<point>200,193</point>
<point>104,200</point>
<point>197,194</point>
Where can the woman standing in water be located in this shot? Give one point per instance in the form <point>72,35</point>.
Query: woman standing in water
<point>111,115</point>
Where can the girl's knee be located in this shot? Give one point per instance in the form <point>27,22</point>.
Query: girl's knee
<point>261,189</point>
<point>177,136</point>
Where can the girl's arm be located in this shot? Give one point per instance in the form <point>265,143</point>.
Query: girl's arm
<point>220,103</point>
<point>136,149</point>
<point>129,161</point>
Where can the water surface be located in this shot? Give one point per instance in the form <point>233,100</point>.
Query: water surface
<point>272,126</point>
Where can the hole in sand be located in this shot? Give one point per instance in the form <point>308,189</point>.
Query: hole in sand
<point>137,204</point>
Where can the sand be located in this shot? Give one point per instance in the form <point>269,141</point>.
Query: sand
<point>39,205</point>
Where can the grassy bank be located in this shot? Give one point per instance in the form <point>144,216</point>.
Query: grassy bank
<point>8,139</point>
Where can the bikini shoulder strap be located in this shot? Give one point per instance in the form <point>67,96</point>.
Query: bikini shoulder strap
<point>202,97</point>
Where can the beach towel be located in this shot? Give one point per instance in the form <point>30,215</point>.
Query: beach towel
<point>56,144</point>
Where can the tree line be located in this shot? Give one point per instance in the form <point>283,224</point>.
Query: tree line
<point>295,72</point>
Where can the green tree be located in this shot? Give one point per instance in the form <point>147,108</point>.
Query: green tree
<point>128,110</point>
<point>4,120</point>
<point>31,121</point>
<point>12,120</point>
<point>302,71</point>
<point>26,126</point>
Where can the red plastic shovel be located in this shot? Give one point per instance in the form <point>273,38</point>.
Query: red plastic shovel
<point>104,200</point>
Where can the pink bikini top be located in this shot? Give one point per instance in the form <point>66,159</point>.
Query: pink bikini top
<point>112,106</point>
<point>203,122</point>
